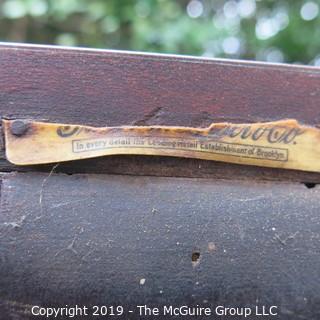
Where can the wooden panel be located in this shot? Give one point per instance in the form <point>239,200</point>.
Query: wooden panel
<point>90,239</point>
<point>98,87</point>
<point>111,88</point>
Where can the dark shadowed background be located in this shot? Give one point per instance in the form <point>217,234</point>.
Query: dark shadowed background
<point>276,31</point>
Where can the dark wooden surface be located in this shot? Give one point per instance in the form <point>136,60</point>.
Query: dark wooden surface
<point>111,88</point>
<point>76,234</point>
<point>99,88</point>
<point>90,239</point>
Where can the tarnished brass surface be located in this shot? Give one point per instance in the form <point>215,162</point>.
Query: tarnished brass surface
<point>280,144</point>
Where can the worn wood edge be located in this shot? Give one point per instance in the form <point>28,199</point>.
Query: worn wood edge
<point>138,58</point>
<point>158,56</point>
<point>169,167</point>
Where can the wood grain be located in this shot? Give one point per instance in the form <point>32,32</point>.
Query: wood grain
<point>97,87</point>
<point>90,239</point>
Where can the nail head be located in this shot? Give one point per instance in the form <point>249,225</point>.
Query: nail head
<point>19,127</point>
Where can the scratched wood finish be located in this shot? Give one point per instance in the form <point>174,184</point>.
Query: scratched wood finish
<point>90,239</point>
<point>86,238</point>
<point>99,88</point>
